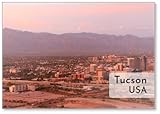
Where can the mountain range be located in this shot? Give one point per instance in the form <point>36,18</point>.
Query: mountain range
<point>17,42</point>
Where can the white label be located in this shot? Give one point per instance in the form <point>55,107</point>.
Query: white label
<point>131,85</point>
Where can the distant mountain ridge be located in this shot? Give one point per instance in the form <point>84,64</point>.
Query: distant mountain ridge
<point>16,42</point>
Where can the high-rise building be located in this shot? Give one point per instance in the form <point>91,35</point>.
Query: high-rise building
<point>138,63</point>
<point>130,62</point>
<point>102,74</point>
<point>144,63</point>
<point>134,63</point>
<point>92,67</point>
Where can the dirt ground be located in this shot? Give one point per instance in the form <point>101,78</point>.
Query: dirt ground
<point>43,99</point>
<point>101,103</point>
<point>26,98</point>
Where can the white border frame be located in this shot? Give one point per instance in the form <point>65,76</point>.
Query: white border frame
<point>94,111</point>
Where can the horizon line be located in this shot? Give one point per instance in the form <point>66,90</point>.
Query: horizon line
<point>74,33</point>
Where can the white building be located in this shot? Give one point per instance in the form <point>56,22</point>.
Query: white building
<point>18,88</point>
<point>12,70</point>
<point>22,87</point>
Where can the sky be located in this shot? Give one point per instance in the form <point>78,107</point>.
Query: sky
<point>103,18</point>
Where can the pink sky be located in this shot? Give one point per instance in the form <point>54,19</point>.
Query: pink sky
<point>108,18</point>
